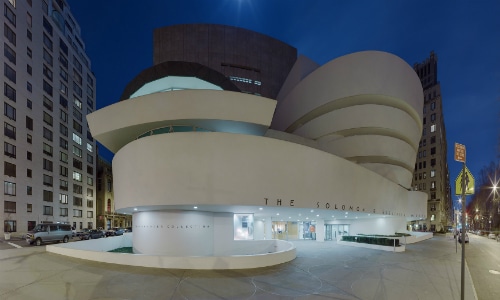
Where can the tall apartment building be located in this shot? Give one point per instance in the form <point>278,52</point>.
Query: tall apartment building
<point>49,154</point>
<point>431,173</point>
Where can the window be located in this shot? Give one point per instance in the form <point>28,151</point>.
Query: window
<point>10,131</point>
<point>29,104</point>
<point>63,184</point>
<point>29,123</point>
<point>9,169</point>
<point>10,226</point>
<point>424,132</point>
<point>47,103</point>
<point>47,165</point>
<point>63,46</point>
<point>433,162</point>
<point>433,173</point>
<point>47,210</point>
<point>90,181</point>
<point>47,72</point>
<point>47,180</point>
<point>77,139</point>
<point>77,64</point>
<point>77,114</point>
<point>90,170</point>
<point>63,143</point>
<point>424,153</point>
<point>9,14</point>
<point>90,214</point>
<point>63,88</point>
<point>29,190</point>
<point>63,157</point>
<point>9,72</point>
<point>63,74</point>
<point>90,193</point>
<point>77,201</point>
<point>77,189</point>
<point>47,88</point>
<point>77,151</point>
<point>90,158</point>
<point>9,53</point>
<point>9,92</point>
<point>64,103</point>
<point>63,129</point>
<point>433,139</point>
<point>64,116</point>
<point>109,185</point>
<point>29,173</point>
<point>77,126</point>
<point>48,196</point>
<point>9,206</point>
<point>77,176</point>
<point>47,134</point>
<point>47,57</point>
<point>433,104</point>
<point>29,69</point>
<point>29,139</point>
<point>47,118</point>
<point>433,128</point>
<point>29,87</point>
<point>433,118</point>
<point>29,155</point>
<point>63,198</point>
<point>47,26</point>
<point>77,77</point>
<point>9,150</point>
<point>63,211</point>
<point>433,185</point>
<point>9,111</point>
<point>29,18</point>
<point>47,42</point>
<point>78,214</point>
<point>77,164</point>
<point>89,147</point>
<point>77,89</point>
<point>433,150</point>
<point>9,34</point>
<point>433,195</point>
<point>63,60</point>
<point>29,207</point>
<point>425,175</point>
<point>9,188</point>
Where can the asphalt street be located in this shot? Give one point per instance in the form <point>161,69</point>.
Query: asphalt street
<point>483,259</point>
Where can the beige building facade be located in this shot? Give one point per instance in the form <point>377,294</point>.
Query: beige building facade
<point>431,173</point>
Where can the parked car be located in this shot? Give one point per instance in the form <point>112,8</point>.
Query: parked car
<point>466,238</point>
<point>119,231</point>
<point>492,236</point>
<point>49,233</point>
<point>91,234</point>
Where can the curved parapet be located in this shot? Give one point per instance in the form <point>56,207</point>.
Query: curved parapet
<point>365,107</point>
<point>210,110</point>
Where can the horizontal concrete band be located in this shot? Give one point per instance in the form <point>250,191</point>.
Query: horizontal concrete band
<point>96,250</point>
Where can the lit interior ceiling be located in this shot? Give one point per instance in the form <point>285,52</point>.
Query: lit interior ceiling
<point>173,83</point>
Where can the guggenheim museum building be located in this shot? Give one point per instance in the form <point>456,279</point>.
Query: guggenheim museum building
<point>231,135</point>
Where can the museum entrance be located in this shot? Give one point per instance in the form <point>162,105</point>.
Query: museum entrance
<point>335,231</point>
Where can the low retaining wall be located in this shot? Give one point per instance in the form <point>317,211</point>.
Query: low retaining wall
<point>401,248</point>
<point>270,252</point>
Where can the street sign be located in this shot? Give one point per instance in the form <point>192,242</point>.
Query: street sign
<point>460,152</point>
<point>469,183</point>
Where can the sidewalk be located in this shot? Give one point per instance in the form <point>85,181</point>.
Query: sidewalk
<point>427,270</point>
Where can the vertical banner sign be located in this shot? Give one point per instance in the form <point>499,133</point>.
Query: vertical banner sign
<point>459,152</point>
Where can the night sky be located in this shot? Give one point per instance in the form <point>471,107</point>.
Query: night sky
<point>465,35</point>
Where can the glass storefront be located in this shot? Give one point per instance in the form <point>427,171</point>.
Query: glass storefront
<point>335,231</point>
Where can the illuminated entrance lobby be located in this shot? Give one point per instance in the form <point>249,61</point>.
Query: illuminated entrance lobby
<point>208,170</point>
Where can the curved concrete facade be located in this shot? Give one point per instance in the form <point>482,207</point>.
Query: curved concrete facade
<point>365,107</point>
<point>358,120</point>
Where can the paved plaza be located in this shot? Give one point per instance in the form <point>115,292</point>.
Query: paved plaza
<point>426,270</point>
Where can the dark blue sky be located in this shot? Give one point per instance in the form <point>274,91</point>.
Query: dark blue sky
<point>464,34</point>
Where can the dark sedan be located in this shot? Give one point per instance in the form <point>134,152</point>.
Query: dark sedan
<point>91,234</point>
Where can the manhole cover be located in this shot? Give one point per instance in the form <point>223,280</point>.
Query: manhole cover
<point>494,272</point>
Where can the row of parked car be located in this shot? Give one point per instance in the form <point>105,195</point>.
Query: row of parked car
<point>88,234</point>
<point>489,234</point>
<point>63,232</point>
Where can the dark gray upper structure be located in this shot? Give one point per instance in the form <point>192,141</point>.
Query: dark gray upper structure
<point>256,63</point>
